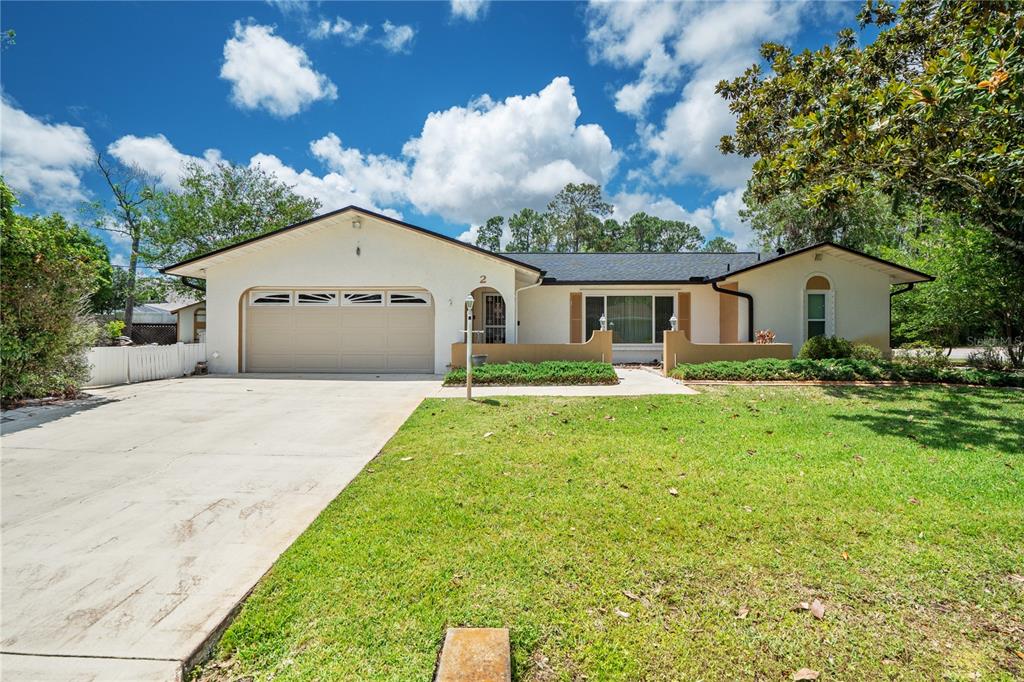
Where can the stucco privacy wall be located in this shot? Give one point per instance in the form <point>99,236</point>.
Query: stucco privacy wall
<point>861,298</point>
<point>544,310</point>
<point>332,253</point>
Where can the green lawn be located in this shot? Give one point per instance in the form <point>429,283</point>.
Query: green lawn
<point>901,509</point>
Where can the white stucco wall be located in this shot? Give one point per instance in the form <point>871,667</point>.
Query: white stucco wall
<point>324,254</point>
<point>861,298</point>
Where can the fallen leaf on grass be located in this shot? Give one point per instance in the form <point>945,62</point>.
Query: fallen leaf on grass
<point>488,434</point>
<point>1020,654</point>
<point>751,452</point>
<point>673,492</point>
<point>630,595</point>
<point>914,500</point>
<point>609,417</point>
<point>620,613</point>
<point>846,556</point>
<point>806,674</point>
<point>406,459</point>
<point>1016,578</point>
<point>858,459</point>
<point>742,613</point>
<point>817,609</point>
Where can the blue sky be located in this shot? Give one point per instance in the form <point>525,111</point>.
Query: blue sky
<point>441,113</point>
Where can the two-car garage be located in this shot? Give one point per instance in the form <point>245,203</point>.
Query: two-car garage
<point>338,330</point>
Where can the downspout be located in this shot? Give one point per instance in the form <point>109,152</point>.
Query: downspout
<point>190,285</point>
<point>750,307</point>
<point>897,292</point>
<point>540,280</point>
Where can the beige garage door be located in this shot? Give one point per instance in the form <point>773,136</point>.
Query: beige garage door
<point>339,330</point>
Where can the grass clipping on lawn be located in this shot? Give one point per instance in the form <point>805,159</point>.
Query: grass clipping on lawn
<point>667,538</point>
<point>551,372</point>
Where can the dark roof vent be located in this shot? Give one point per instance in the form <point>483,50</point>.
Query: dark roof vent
<point>781,250</point>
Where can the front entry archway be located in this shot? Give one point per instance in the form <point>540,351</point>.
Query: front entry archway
<point>490,316</point>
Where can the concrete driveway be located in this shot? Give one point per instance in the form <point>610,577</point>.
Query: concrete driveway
<point>133,527</point>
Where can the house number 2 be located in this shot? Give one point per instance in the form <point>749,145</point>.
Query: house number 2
<point>483,279</point>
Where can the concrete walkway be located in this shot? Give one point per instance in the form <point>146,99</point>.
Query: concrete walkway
<point>131,527</point>
<point>632,381</point>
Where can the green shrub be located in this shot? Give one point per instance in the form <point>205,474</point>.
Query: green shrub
<point>823,347</point>
<point>842,369</point>
<point>988,356</point>
<point>923,354</point>
<point>49,271</point>
<point>863,351</point>
<point>112,330</point>
<point>552,372</point>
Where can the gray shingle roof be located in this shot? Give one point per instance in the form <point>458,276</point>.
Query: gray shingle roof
<point>635,267</point>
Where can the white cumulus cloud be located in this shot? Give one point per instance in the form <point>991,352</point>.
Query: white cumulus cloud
<point>682,50</point>
<point>158,157</point>
<point>470,10</point>
<point>268,72</point>
<point>44,161</point>
<point>489,158</point>
<point>333,190</point>
<point>349,33</point>
<point>378,177</point>
<point>397,37</point>
<point>467,164</point>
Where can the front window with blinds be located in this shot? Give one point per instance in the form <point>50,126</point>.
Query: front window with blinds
<point>631,319</point>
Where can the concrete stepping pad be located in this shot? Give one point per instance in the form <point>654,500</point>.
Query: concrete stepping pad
<point>475,655</point>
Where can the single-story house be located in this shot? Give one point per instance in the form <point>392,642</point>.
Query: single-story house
<point>357,291</point>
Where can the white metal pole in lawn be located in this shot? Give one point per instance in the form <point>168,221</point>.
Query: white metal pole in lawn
<point>469,347</point>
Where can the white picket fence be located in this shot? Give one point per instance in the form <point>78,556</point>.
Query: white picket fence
<point>132,364</point>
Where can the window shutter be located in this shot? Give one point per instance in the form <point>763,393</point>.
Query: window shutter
<point>575,317</point>
<point>683,313</point>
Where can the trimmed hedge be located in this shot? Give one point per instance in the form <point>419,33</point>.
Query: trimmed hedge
<point>561,373</point>
<point>846,369</point>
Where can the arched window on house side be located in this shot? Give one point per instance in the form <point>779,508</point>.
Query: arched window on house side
<point>819,307</point>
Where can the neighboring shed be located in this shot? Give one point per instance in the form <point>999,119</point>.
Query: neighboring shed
<point>191,321</point>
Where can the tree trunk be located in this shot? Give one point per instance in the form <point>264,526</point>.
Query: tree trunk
<point>129,303</point>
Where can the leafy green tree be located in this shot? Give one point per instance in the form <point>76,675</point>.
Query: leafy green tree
<point>529,231</point>
<point>719,245</point>
<point>220,207</point>
<point>650,234</point>
<point>132,192</point>
<point>865,221</point>
<point>978,290</point>
<point>929,112</point>
<point>112,298</point>
<point>607,236</point>
<point>489,235</point>
<point>576,214</point>
<point>50,269</point>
